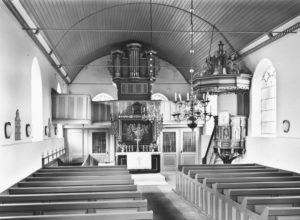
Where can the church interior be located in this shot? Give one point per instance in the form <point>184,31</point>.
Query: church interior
<point>149,109</point>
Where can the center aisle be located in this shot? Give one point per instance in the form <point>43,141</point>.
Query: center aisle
<point>165,203</point>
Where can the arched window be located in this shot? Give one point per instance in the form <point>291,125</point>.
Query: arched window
<point>159,96</point>
<point>36,101</point>
<point>59,126</point>
<point>263,99</point>
<point>58,88</point>
<point>102,97</point>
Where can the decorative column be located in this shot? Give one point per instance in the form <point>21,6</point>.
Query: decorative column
<point>134,59</point>
<point>116,58</point>
<point>150,55</point>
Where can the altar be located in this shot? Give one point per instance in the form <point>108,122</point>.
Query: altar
<point>140,162</point>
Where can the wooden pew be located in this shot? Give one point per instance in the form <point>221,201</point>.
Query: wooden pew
<point>146,215</point>
<point>210,181</point>
<point>21,198</point>
<point>238,175</point>
<point>238,194</point>
<point>249,202</point>
<point>202,187</point>
<point>74,178</point>
<point>88,167</point>
<point>191,188</point>
<point>287,184</point>
<point>183,184</point>
<point>71,189</point>
<point>86,207</point>
<point>193,172</point>
<point>284,212</point>
<point>288,217</point>
<point>188,190</point>
<point>218,165</point>
<point>89,173</point>
<point>75,183</point>
<point>84,169</point>
<point>186,170</point>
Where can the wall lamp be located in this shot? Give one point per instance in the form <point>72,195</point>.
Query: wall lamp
<point>28,130</point>
<point>7,130</point>
<point>46,130</point>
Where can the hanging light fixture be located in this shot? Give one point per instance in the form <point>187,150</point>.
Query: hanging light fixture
<point>193,109</point>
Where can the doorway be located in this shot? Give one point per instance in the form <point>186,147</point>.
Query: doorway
<point>99,145</point>
<point>179,146</point>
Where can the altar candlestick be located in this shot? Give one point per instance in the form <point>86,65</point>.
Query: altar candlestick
<point>175,96</point>
<point>179,97</point>
<point>187,96</point>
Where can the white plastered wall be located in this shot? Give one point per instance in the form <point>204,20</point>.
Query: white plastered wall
<point>281,151</point>
<point>20,158</point>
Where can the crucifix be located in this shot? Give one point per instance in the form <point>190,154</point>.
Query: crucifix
<point>139,134</point>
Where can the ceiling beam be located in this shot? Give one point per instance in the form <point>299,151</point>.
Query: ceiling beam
<point>151,31</point>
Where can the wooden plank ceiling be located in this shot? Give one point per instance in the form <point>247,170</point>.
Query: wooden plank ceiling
<point>75,28</point>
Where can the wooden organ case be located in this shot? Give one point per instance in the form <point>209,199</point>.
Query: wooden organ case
<point>134,71</point>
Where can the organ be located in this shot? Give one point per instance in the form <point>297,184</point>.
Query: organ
<point>134,71</point>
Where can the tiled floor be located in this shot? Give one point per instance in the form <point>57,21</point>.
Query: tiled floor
<point>166,204</point>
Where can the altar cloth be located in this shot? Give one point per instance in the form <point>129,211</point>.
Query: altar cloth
<point>139,160</point>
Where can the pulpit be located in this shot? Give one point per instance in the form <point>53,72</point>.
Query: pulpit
<point>229,141</point>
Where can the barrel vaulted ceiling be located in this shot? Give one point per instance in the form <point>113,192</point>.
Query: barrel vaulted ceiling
<point>80,31</point>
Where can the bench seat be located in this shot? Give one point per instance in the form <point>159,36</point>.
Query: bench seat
<point>88,173</point>
<point>69,196</point>
<point>210,181</point>
<point>70,189</point>
<point>75,183</point>
<point>286,184</point>
<point>143,215</point>
<point>74,178</point>
<point>90,206</point>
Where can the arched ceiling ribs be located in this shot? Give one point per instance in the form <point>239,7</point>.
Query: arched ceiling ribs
<point>144,3</point>
<point>164,58</point>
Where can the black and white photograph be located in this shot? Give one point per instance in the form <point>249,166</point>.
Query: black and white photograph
<point>149,109</point>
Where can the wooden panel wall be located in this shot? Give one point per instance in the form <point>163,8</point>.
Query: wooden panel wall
<point>80,107</point>
<point>101,110</point>
<point>71,107</point>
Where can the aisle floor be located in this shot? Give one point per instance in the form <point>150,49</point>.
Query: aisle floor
<point>165,203</point>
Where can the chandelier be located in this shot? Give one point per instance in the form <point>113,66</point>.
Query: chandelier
<point>151,113</point>
<point>193,109</point>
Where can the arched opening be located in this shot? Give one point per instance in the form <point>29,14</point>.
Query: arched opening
<point>102,97</point>
<point>263,99</point>
<point>159,96</point>
<point>59,126</point>
<point>58,88</point>
<point>36,101</point>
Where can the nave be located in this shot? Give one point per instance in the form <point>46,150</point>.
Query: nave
<point>208,192</point>
<point>94,192</point>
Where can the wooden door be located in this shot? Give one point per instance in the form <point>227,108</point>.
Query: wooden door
<point>188,146</point>
<point>75,145</point>
<point>99,145</point>
<point>169,160</point>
